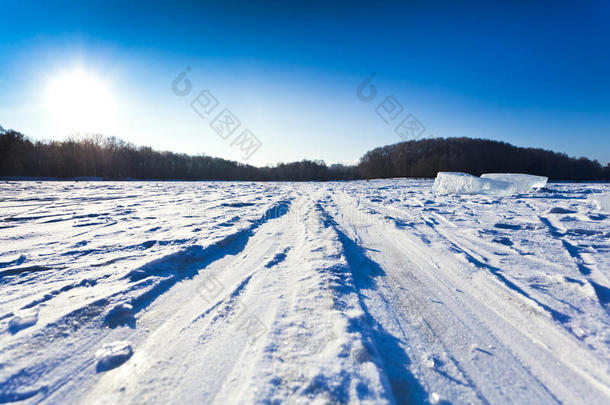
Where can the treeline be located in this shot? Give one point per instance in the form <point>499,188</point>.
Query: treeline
<point>112,158</point>
<point>425,158</point>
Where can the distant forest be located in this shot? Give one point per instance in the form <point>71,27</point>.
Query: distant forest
<point>427,157</point>
<point>112,158</point>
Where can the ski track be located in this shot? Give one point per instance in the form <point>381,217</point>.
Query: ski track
<point>342,292</point>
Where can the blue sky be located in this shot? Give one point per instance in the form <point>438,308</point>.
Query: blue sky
<point>529,74</point>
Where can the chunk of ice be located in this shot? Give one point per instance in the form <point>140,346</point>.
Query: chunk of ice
<point>113,354</point>
<point>462,183</point>
<point>120,314</point>
<point>23,319</point>
<point>601,201</point>
<point>524,183</point>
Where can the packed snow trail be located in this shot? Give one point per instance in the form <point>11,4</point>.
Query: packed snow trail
<point>465,332</point>
<point>372,292</point>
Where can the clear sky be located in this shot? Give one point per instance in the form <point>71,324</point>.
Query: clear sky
<point>529,74</point>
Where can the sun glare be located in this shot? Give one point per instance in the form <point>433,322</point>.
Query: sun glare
<point>79,101</point>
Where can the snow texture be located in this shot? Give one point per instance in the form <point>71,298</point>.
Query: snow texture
<point>371,292</point>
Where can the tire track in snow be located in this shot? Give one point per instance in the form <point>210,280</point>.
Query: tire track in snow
<point>407,386</point>
<point>202,328</point>
<point>387,335</point>
<point>591,274</point>
<point>318,348</point>
<point>359,310</point>
<point>160,276</point>
<point>514,336</point>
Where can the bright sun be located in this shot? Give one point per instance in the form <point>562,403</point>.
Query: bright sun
<point>79,101</point>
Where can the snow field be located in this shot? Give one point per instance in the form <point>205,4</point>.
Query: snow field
<point>348,292</point>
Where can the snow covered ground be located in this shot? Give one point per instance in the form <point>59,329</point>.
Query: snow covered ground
<point>372,292</point>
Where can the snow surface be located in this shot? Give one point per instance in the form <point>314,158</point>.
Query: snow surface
<point>524,183</point>
<point>347,292</point>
